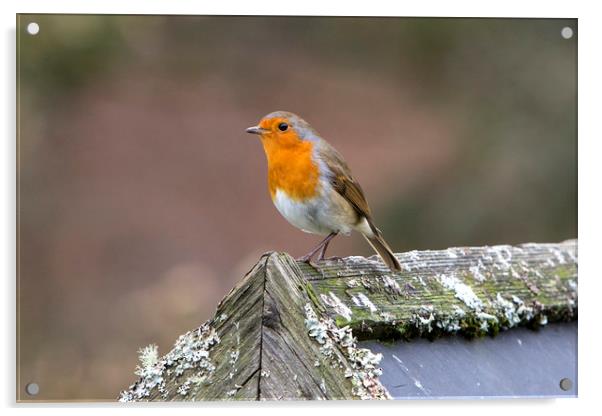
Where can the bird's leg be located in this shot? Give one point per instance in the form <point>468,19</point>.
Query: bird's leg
<point>325,246</point>
<point>307,258</point>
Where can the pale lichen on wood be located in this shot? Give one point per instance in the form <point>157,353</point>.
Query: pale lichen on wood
<point>470,290</point>
<point>266,342</point>
<point>287,330</point>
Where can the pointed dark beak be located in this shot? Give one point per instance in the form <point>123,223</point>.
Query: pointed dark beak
<point>256,130</point>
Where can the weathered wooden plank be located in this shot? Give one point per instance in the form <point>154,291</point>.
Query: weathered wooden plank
<point>295,365</point>
<point>285,331</point>
<point>470,290</point>
<point>228,368</point>
<point>264,343</point>
<point>288,354</point>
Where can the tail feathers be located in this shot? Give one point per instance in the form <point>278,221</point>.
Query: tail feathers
<point>384,251</point>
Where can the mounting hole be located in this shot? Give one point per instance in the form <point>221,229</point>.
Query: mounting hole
<point>33,28</point>
<point>32,389</point>
<point>566,32</point>
<point>566,384</point>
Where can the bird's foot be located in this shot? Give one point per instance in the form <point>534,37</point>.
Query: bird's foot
<point>308,260</point>
<point>305,259</point>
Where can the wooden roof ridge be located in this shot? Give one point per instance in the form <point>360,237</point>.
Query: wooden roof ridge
<point>289,330</point>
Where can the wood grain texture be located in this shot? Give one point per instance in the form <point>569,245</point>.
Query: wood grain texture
<point>263,350</point>
<point>284,331</point>
<point>470,290</point>
<point>289,356</point>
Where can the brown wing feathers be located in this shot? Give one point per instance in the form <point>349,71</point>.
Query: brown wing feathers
<point>344,184</point>
<point>342,181</point>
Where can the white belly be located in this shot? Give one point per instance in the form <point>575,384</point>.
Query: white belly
<point>316,216</point>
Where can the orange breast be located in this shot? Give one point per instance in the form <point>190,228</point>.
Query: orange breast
<point>291,168</point>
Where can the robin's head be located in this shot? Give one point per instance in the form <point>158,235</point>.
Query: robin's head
<point>283,127</point>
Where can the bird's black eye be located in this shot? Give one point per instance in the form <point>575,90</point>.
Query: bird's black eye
<point>283,127</point>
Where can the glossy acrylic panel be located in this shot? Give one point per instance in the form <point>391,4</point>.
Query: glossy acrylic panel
<point>142,201</point>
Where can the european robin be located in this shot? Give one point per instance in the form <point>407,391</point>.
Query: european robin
<point>312,186</point>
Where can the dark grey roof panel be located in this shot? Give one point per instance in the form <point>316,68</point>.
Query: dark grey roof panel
<point>517,363</point>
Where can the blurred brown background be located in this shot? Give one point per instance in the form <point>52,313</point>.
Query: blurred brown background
<point>142,200</point>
